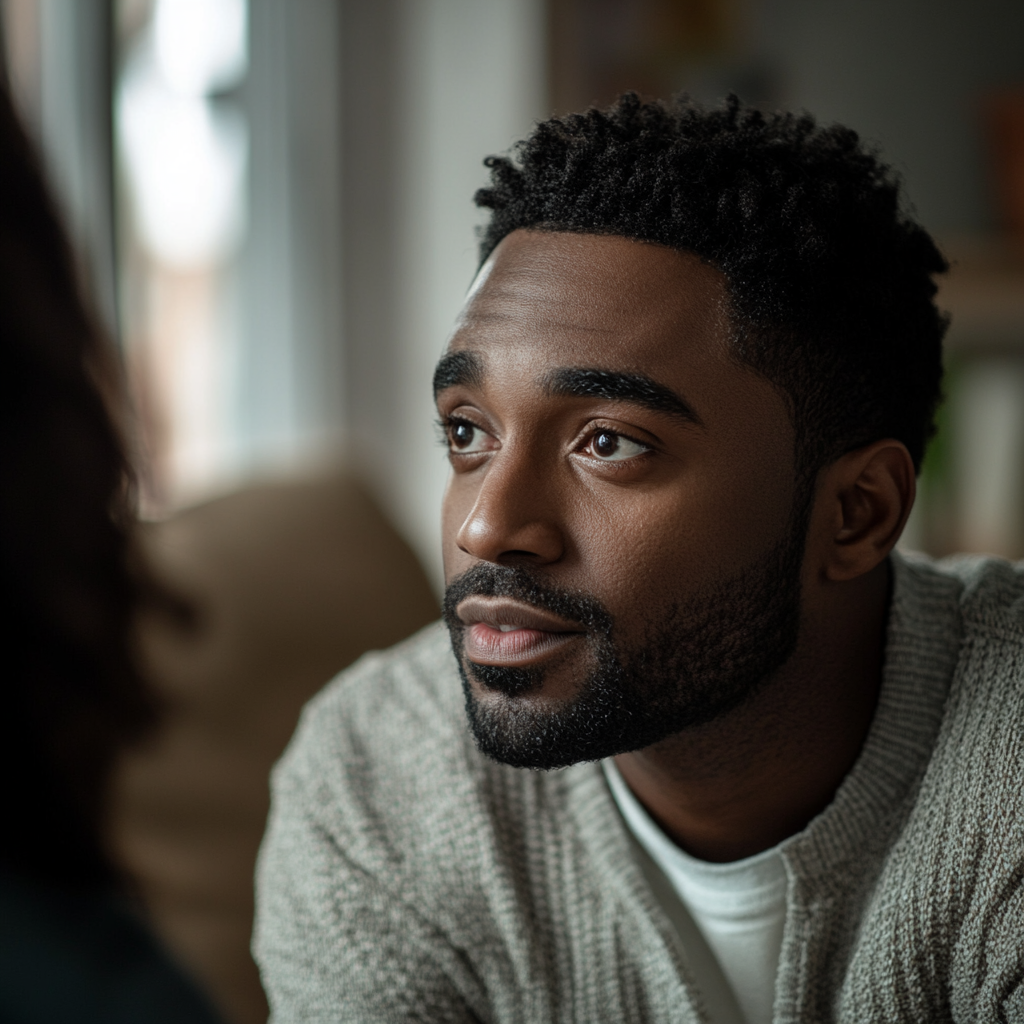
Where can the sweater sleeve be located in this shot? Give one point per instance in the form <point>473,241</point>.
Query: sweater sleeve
<point>333,943</point>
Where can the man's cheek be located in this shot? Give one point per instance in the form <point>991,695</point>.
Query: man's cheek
<point>645,553</point>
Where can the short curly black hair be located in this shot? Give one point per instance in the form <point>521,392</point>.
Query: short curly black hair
<point>830,280</point>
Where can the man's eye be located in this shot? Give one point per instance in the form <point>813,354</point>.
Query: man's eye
<point>465,438</point>
<point>611,447</point>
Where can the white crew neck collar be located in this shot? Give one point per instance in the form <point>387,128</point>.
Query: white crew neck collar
<point>749,884</point>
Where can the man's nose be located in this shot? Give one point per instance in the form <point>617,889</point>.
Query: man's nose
<point>514,517</point>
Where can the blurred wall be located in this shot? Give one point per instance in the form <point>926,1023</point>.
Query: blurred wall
<point>289,368</point>
<point>429,88</point>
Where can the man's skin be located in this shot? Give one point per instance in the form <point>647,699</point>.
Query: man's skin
<point>681,501</point>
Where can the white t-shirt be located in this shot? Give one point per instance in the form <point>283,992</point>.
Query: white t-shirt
<point>739,908</point>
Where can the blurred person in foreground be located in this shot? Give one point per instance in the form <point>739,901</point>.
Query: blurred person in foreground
<point>729,756</point>
<point>72,948</point>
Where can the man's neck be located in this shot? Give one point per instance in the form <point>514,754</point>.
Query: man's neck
<point>741,784</point>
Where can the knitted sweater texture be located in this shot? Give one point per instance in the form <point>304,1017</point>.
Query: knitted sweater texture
<point>404,877</point>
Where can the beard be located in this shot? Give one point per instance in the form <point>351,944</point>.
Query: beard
<point>694,662</point>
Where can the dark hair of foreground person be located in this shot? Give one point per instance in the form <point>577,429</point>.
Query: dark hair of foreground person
<point>73,694</point>
<point>70,946</point>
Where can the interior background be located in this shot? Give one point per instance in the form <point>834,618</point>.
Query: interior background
<point>273,204</point>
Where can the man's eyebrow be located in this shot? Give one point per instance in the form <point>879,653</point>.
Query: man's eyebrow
<point>458,368</point>
<point>638,388</point>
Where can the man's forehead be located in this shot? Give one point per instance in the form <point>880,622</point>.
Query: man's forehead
<point>518,297</point>
<point>587,283</point>
<point>546,301</point>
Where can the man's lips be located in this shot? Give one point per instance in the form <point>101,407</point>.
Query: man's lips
<point>501,631</point>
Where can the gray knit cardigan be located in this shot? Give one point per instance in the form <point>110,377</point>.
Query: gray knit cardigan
<point>404,877</point>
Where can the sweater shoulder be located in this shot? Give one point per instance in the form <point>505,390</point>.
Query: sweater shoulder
<point>977,752</point>
<point>408,693</point>
<point>951,882</point>
<point>384,742</point>
<point>990,590</point>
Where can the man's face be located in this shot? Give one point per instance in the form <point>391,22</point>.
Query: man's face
<point>620,544</point>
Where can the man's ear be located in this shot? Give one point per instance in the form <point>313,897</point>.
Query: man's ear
<point>862,504</point>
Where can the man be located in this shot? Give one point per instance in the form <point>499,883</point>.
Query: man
<point>779,766</point>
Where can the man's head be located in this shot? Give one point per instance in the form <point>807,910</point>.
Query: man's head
<point>684,318</point>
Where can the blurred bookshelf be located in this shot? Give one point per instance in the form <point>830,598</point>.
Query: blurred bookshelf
<point>971,491</point>
<point>984,292</point>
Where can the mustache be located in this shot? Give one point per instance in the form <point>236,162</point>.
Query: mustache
<point>521,584</point>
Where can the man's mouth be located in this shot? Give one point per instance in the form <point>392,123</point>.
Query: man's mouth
<point>502,631</point>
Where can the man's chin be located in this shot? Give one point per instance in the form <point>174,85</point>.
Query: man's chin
<point>511,735</point>
<point>530,728</point>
